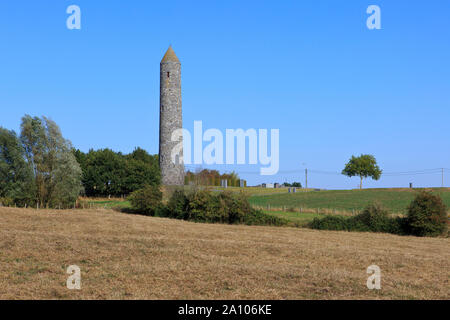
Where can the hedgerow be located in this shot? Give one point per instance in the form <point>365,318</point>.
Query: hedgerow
<point>205,206</point>
<point>427,216</point>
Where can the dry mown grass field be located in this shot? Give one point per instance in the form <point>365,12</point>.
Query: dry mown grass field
<point>136,257</point>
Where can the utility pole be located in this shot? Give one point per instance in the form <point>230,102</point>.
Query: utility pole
<point>442,177</point>
<point>306,178</point>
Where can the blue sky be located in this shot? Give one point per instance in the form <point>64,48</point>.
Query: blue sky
<point>311,69</point>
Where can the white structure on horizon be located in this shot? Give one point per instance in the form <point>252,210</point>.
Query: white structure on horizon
<point>268,185</point>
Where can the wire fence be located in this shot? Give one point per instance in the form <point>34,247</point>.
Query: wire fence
<point>319,211</point>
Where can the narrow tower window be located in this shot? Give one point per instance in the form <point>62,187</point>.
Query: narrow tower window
<point>168,74</point>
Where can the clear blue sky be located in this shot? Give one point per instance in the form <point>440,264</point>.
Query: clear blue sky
<point>309,68</point>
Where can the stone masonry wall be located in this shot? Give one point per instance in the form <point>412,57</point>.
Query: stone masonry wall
<point>170,120</point>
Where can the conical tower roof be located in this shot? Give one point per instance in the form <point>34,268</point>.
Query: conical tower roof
<point>170,56</point>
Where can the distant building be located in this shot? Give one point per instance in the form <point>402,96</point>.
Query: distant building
<point>224,183</point>
<point>268,185</point>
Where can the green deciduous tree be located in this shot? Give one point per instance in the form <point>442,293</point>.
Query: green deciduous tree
<point>141,169</point>
<point>57,174</point>
<point>106,172</point>
<point>103,173</point>
<point>16,176</point>
<point>363,166</point>
<point>294,184</point>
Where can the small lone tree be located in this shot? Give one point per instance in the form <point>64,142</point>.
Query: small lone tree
<point>363,166</point>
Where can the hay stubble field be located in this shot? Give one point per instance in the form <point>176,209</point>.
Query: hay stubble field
<point>124,256</point>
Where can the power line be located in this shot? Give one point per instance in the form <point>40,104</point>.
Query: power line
<point>442,171</point>
<point>325,172</point>
<point>385,174</point>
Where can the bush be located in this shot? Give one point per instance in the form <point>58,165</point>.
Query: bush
<point>178,205</point>
<point>427,215</point>
<point>223,207</point>
<point>374,219</point>
<point>377,219</point>
<point>258,217</point>
<point>201,205</point>
<point>338,223</point>
<point>6,202</point>
<point>373,215</point>
<point>147,200</point>
<point>237,208</point>
<point>399,225</point>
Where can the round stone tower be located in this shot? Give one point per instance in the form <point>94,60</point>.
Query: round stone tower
<point>170,119</point>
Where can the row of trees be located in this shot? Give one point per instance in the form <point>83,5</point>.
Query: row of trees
<point>293,184</point>
<point>38,167</point>
<point>109,173</point>
<point>208,177</point>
